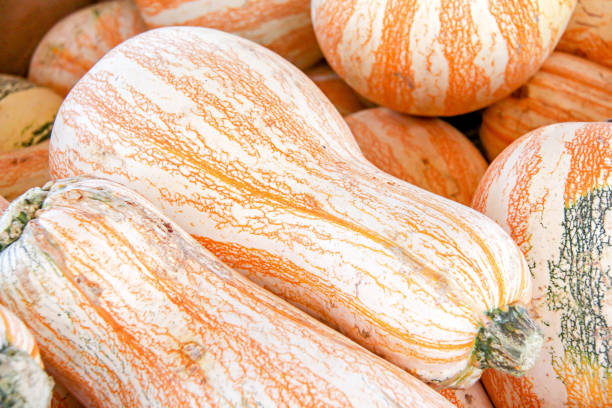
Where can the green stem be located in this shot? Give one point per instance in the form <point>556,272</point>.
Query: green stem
<point>23,382</point>
<point>18,213</point>
<point>509,342</point>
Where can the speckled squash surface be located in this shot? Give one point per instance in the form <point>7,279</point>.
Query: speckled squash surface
<point>79,40</point>
<point>240,148</point>
<point>552,191</point>
<point>344,98</point>
<point>566,89</point>
<point>27,112</point>
<point>428,153</point>
<point>23,169</point>
<point>284,26</point>
<point>130,311</point>
<point>473,397</point>
<point>589,32</point>
<point>438,57</point>
<point>23,382</point>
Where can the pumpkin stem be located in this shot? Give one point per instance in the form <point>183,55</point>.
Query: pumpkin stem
<point>23,382</point>
<point>18,213</point>
<point>510,341</point>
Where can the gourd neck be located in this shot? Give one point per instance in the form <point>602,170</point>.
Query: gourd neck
<point>19,213</point>
<point>23,382</point>
<point>510,341</point>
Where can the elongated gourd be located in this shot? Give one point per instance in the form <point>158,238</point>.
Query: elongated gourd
<point>284,26</point>
<point>23,169</point>
<point>552,191</point>
<point>23,382</point>
<point>426,152</point>
<point>79,40</point>
<point>27,112</point>
<point>245,152</point>
<point>130,311</point>
<point>589,32</point>
<point>566,89</point>
<point>438,57</point>
<point>342,96</point>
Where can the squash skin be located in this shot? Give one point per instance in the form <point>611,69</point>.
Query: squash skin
<point>566,89</point>
<point>23,382</point>
<point>283,26</point>
<point>589,32</point>
<point>78,41</point>
<point>23,169</point>
<point>27,112</point>
<point>152,319</point>
<point>344,98</point>
<point>552,191</point>
<point>254,161</point>
<point>428,153</point>
<point>438,57</point>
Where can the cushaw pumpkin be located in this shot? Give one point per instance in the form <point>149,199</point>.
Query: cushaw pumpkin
<point>27,112</point>
<point>438,57</point>
<point>344,98</point>
<point>589,32</point>
<point>130,311</point>
<point>23,381</point>
<point>284,26</point>
<point>244,151</point>
<point>552,191</point>
<point>79,40</point>
<point>426,152</point>
<point>566,89</point>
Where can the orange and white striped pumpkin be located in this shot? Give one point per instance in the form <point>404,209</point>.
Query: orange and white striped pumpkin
<point>130,311</point>
<point>27,112</point>
<point>23,383</point>
<point>78,41</point>
<point>566,89</point>
<point>239,147</point>
<point>589,32</point>
<point>284,26</point>
<point>23,169</point>
<point>344,98</point>
<point>438,57</point>
<point>428,153</point>
<point>552,191</point>
<point>473,397</point>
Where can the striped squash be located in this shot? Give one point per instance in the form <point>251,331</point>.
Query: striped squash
<point>24,23</point>
<point>589,32</point>
<point>344,98</point>
<point>428,153</point>
<point>438,57</point>
<point>552,191</point>
<point>23,169</point>
<point>284,26</point>
<point>23,382</point>
<point>79,40</point>
<point>473,397</point>
<point>566,89</point>
<point>130,311</point>
<point>27,112</point>
<point>245,152</point>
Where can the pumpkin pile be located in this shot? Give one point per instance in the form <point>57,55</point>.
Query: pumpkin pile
<point>204,212</point>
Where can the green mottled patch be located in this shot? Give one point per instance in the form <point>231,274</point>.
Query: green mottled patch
<point>579,280</point>
<point>10,84</point>
<point>41,133</point>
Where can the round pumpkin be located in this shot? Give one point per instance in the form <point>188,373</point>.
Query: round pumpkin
<point>79,40</point>
<point>344,98</point>
<point>566,89</point>
<point>27,112</point>
<point>434,57</point>
<point>426,152</point>
<point>283,26</point>
<point>589,32</point>
<point>552,191</point>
